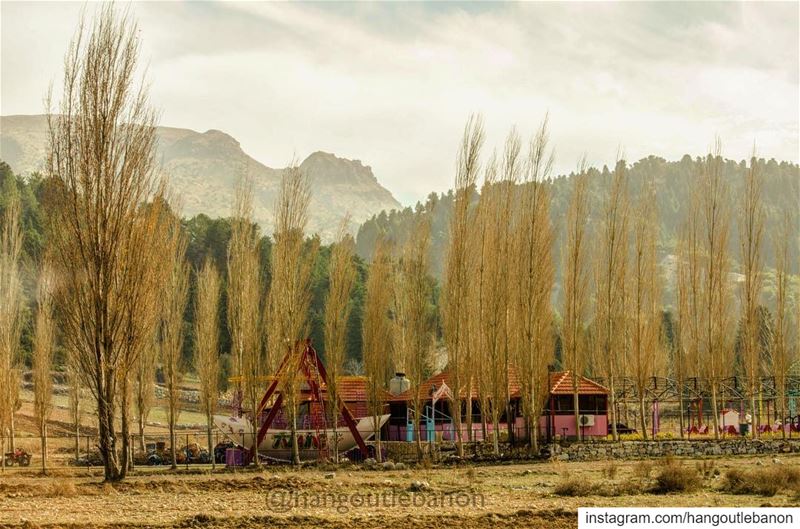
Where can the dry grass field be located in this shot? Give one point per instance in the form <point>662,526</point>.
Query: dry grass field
<point>505,495</point>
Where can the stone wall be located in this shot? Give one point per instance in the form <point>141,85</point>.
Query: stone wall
<point>601,450</point>
<point>674,447</point>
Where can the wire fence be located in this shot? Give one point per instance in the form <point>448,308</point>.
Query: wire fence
<point>149,450</point>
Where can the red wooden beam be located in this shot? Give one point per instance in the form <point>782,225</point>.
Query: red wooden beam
<point>262,431</point>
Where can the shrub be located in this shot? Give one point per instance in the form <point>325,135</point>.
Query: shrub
<point>706,468</point>
<point>61,489</point>
<point>574,487</point>
<point>643,469</point>
<point>750,482</point>
<point>610,471</point>
<point>762,482</point>
<point>677,478</point>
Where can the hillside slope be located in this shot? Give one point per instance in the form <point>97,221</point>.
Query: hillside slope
<point>203,169</point>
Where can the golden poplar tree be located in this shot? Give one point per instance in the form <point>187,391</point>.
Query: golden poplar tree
<point>413,324</point>
<point>457,283</point>
<point>532,275</point>
<point>575,279</point>
<point>342,276</point>
<point>715,335</point>
<point>206,339</point>
<point>645,334</point>
<point>610,272</point>
<point>751,234</point>
<point>173,308</point>
<point>376,332</point>
<point>290,291</point>
<point>43,342</point>
<point>101,146</point>
<point>244,293</point>
<point>10,314</point>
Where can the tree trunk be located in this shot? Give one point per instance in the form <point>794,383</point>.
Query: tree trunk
<point>495,430</point>
<point>754,433</point>
<point>295,447</point>
<point>77,438</point>
<point>612,403</point>
<point>44,448</point>
<point>172,440</point>
<point>209,422</point>
<point>714,410</point>
<point>418,435</point>
<point>456,403</point>
<point>642,417</point>
<point>142,444</point>
<point>377,432</point>
<point>108,442</point>
<point>681,417</point>
<point>576,405</point>
<point>13,445</point>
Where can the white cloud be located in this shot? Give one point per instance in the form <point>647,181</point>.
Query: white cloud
<point>391,84</point>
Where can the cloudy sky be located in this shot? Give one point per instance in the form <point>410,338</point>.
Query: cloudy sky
<point>392,84</point>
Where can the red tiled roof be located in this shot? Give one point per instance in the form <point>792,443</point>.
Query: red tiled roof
<point>351,389</point>
<point>560,384</point>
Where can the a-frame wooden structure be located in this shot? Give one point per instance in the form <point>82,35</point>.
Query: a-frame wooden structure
<point>314,374</point>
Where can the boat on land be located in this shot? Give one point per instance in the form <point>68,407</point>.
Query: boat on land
<point>277,444</point>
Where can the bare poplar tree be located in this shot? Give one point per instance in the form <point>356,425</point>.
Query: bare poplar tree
<point>576,282</point>
<point>74,380</point>
<point>715,230</point>
<point>646,315</point>
<point>144,384</point>
<point>377,332</point>
<point>172,333</point>
<point>337,313</point>
<point>533,275</point>
<point>43,341</point>
<point>290,291</point>
<point>610,281</point>
<point>457,284</point>
<point>751,234</point>
<point>690,299</point>
<point>206,336</point>
<point>10,315</point>
<point>781,349</point>
<point>413,325</point>
<point>497,206</point>
<point>244,291</point>
<point>101,155</point>
<point>479,250</point>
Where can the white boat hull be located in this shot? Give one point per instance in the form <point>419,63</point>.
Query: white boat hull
<point>277,443</point>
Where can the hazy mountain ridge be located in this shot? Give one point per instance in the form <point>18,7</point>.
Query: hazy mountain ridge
<point>203,169</point>
<point>674,182</point>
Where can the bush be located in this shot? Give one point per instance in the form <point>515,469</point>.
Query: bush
<point>706,468</point>
<point>676,477</point>
<point>61,489</point>
<point>610,471</point>
<point>643,469</point>
<point>574,487</point>
<point>761,482</point>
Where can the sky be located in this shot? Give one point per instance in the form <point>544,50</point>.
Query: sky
<point>393,84</point>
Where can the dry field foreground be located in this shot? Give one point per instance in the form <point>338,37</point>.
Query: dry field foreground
<point>514,495</point>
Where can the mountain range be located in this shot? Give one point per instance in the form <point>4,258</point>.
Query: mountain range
<point>204,167</point>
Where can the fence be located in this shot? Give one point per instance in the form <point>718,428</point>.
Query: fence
<point>150,450</point>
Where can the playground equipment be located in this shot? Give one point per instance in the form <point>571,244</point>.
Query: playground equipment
<point>314,436</point>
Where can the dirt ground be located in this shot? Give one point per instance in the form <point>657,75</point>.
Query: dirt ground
<point>467,497</point>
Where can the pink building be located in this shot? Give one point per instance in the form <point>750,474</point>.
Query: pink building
<point>557,420</point>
